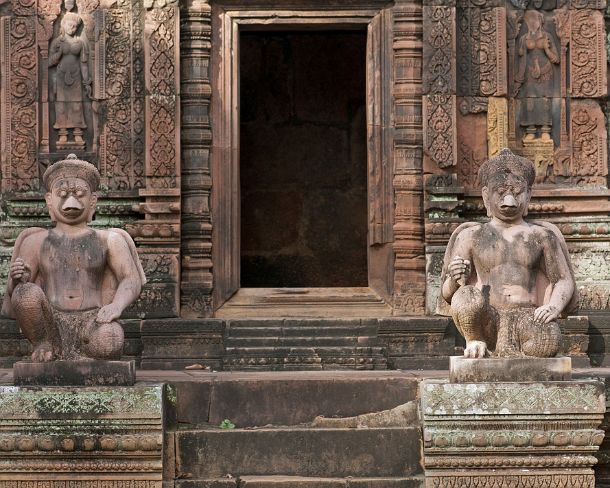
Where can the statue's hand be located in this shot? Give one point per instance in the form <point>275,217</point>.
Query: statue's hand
<point>20,272</point>
<point>108,313</point>
<point>459,270</point>
<point>546,314</point>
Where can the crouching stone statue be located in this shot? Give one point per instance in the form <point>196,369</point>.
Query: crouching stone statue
<point>69,285</point>
<point>508,280</point>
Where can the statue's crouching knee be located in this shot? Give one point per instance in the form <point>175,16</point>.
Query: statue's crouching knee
<point>104,342</point>
<point>34,317</point>
<point>540,340</point>
<point>468,309</point>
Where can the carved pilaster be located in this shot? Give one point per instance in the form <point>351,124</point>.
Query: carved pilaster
<point>588,54</point>
<point>196,244</point>
<point>18,51</point>
<point>409,278</point>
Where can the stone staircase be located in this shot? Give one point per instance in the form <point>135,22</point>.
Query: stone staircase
<point>276,444</point>
<point>303,344</point>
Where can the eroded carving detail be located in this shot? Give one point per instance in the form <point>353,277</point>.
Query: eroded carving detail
<point>439,50</point>
<point>589,153</point>
<point>497,126</point>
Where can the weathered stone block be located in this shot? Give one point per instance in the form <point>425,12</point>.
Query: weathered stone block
<point>77,373</point>
<point>213,453</point>
<point>466,370</point>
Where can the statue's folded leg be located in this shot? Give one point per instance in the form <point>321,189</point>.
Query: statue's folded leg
<point>538,340</point>
<point>473,316</point>
<point>104,341</point>
<point>34,317</point>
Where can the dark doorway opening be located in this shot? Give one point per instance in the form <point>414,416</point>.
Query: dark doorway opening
<point>303,159</point>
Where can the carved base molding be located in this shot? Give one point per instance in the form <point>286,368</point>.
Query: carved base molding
<point>518,434</point>
<point>81,437</point>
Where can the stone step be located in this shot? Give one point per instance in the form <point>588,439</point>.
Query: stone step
<point>302,482</point>
<point>304,358</point>
<point>289,398</point>
<point>310,331</point>
<point>333,453</point>
<point>320,350</point>
<point>300,341</point>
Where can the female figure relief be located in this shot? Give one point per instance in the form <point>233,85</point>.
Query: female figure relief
<point>536,55</point>
<point>70,53</point>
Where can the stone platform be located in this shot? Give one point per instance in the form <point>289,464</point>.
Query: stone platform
<point>75,373</point>
<point>81,437</point>
<point>521,434</point>
<point>466,370</point>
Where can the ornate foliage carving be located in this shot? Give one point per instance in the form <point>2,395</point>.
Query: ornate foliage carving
<point>19,105</point>
<point>589,151</point>
<point>440,134</point>
<point>439,50</point>
<point>481,56</point>
<point>162,110</point>
<point>587,54</point>
<point>122,87</point>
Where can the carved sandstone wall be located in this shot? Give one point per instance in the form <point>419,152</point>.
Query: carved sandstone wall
<point>129,85</point>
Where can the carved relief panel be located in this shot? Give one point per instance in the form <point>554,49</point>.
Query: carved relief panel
<point>98,78</point>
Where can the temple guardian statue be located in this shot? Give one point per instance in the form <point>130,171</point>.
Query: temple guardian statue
<point>69,285</point>
<point>508,280</point>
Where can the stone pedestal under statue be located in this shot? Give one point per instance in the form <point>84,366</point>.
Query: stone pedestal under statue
<point>85,437</point>
<point>518,433</point>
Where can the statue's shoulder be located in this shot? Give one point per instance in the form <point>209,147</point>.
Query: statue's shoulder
<point>466,228</point>
<point>32,234</point>
<point>551,230</point>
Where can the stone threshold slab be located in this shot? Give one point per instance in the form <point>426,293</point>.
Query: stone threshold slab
<point>74,373</point>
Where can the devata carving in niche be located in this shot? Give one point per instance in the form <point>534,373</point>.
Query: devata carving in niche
<point>70,52</point>
<point>69,285</point>
<point>537,54</point>
<point>508,280</point>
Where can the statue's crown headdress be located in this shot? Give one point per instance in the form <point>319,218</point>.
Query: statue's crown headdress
<point>507,162</point>
<point>72,167</point>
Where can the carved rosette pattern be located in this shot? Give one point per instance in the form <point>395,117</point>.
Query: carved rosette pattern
<point>19,104</point>
<point>409,277</point>
<point>196,245</point>
<point>501,440</point>
<point>587,54</point>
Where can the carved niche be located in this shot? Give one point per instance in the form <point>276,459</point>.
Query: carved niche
<point>99,78</point>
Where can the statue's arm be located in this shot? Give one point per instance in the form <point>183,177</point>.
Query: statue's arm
<point>559,273</point>
<point>459,265</point>
<point>128,278</point>
<point>550,50</point>
<point>55,52</point>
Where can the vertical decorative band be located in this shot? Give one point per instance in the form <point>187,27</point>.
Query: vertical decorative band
<point>196,223</point>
